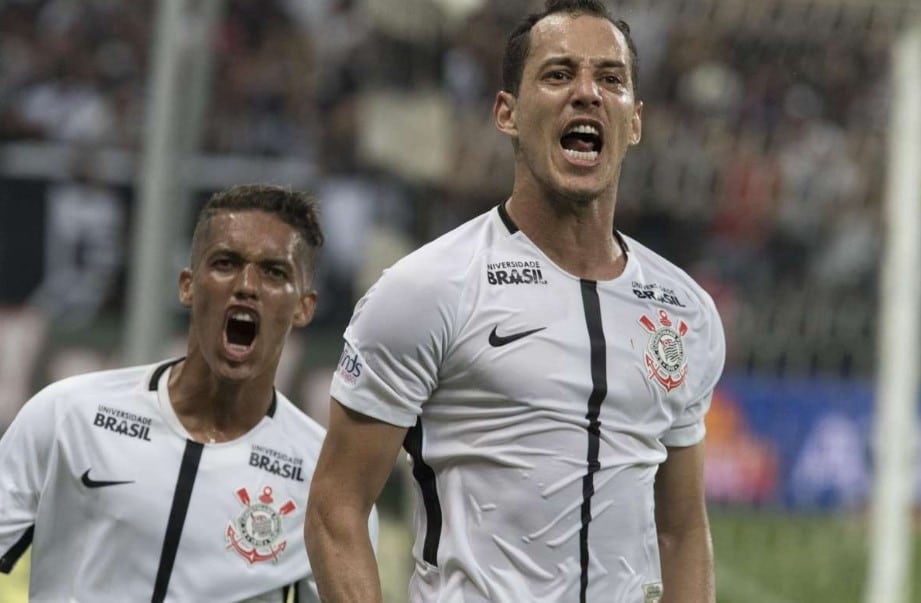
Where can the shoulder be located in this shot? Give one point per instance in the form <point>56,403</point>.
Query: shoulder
<point>55,402</point>
<point>424,288</point>
<point>661,271</point>
<point>96,383</point>
<point>298,427</point>
<point>447,259</point>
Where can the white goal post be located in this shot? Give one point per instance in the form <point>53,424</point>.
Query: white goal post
<point>176,97</point>
<point>895,437</point>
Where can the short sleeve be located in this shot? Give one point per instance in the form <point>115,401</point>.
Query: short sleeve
<point>394,345</point>
<point>688,428</point>
<point>24,452</point>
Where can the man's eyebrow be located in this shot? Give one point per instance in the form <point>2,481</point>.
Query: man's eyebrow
<point>223,249</point>
<point>609,64</point>
<point>277,262</point>
<point>567,61</point>
<point>563,60</point>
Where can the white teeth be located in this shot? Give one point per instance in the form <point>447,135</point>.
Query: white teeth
<point>582,155</point>
<point>583,129</point>
<point>243,316</point>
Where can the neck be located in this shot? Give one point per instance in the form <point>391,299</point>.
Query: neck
<point>577,236</point>
<point>212,409</point>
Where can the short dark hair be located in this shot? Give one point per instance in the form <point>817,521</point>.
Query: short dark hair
<point>519,40</point>
<point>295,208</point>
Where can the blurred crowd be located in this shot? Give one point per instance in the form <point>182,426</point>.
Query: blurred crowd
<point>760,170</point>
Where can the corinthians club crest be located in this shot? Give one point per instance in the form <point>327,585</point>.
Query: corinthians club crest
<point>255,533</point>
<point>665,358</point>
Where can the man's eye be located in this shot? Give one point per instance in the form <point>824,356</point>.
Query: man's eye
<point>276,273</point>
<point>222,263</point>
<point>557,75</point>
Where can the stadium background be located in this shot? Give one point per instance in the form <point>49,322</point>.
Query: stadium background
<point>761,172</point>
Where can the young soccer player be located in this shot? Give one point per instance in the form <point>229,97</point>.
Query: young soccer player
<point>184,480</point>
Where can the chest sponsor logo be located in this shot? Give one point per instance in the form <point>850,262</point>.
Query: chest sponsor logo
<point>256,533</point>
<point>122,422</point>
<point>349,367</point>
<point>666,361</point>
<point>516,272</point>
<point>657,293</point>
<point>277,463</point>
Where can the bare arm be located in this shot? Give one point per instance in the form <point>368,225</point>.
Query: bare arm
<point>683,528</point>
<point>356,459</point>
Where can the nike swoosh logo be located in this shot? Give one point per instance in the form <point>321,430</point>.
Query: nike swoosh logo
<point>497,341</point>
<point>91,483</point>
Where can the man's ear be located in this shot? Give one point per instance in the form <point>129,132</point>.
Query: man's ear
<point>185,287</point>
<point>305,309</point>
<point>636,123</point>
<point>504,115</point>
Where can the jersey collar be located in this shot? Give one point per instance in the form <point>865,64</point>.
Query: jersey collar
<point>162,368</point>
<point>513,228</point>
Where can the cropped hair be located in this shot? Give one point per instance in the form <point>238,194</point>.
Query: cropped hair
<point>518,43</point>
<point>295,208</point>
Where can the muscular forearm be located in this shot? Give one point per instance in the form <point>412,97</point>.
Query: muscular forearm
<point>687,567</point>
<point>342,558</point>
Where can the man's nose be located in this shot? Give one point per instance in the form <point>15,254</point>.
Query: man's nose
<point>247,284</point>
<point>586,90</point>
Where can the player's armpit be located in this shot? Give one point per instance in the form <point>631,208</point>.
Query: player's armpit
<point>357,457</point>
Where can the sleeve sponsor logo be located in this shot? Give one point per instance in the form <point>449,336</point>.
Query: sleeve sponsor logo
<point>350,366</point>
<point>517,272</point>
<point>122,423</point>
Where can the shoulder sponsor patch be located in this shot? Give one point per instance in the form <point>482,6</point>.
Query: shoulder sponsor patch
<point>665,356</point>
<point>122,422</point>
<point>656,292</point>
<point>276,463</point>
<point>515,272</point>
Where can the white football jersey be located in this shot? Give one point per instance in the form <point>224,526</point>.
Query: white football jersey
<point>119,504</point>
<point>539,405</point>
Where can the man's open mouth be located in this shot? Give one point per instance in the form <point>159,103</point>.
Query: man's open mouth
<point>241,328</point>
<point>582,142</point>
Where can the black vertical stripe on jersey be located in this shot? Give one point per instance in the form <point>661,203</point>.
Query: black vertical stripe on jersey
<point>9,559</point>
<point>425,476</point>
<point>592,308</point>
<point>181,498</point>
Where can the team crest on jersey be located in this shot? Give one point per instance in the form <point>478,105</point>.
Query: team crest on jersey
<point>256,533</point>
<point>665,357</point>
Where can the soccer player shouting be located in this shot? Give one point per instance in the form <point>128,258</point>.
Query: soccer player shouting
<point>183,480</point>
<point>547,375</point>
